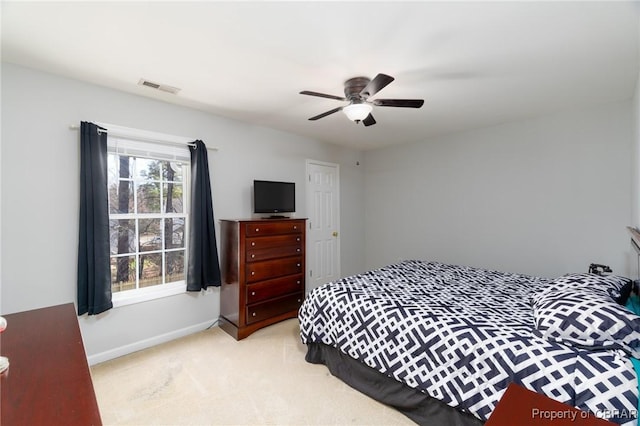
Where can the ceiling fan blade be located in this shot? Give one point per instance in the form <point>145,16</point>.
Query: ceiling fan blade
<point>324,114</point>
<point>378,83</point>
<point>322,95</point>
<point>369,121</point>
<point>403,103</point>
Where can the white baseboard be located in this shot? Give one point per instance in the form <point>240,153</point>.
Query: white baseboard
<point>147,343</point>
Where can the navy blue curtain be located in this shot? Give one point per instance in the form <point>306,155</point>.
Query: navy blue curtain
<point>203,269</point>
<point>94,275</point>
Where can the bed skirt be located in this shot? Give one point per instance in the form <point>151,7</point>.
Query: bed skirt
<point>414,404</point>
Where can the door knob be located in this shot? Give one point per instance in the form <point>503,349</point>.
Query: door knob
<point>335,233</point>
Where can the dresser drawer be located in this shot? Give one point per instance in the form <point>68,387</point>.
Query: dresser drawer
<point>273,241</point>
<point>272,308</point>
<point>254,229</point>
<point>258,271</point>
<point>274,288</point>
<point>272,253</point>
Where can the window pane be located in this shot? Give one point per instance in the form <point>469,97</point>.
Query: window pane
<point>149,197</point>
<point>121,197</point>
<point>172,171</point>
<point>119,167</point>
<point>172,198</point>
<point>122,233</point>
<point>174,263</point>
<point>150,234</point>
<point>123,273</point>
<point>174,232</point>
<point>148,169</point>
<point>150,269</point>
<point>120,190</point>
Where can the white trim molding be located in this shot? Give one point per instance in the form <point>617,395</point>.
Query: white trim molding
<point>147,343</point>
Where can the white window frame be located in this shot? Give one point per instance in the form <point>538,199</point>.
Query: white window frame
<point>146,144</point>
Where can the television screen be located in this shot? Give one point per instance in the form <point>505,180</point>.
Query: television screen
<point>274,197</point>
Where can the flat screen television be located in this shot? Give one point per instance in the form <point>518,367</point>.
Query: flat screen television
<point>274,197</point>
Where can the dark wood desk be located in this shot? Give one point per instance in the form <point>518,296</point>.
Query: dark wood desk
<point>522,407</point>
<point>48,381</point>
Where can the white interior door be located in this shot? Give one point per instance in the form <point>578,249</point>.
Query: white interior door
<point>323,233</point>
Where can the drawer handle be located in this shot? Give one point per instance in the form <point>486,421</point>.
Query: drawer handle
<point>253,314</point>
<point>253,256</point>
<point>298,265</point>
<point>298,282</point>
<point>253,273</point>
<point>298,300</point>
<point>257,229</point>
<point>253,293</point>
<point>253,243</point>
<point>298,250</point>
<point>298,239</point>
<point>295,227</point>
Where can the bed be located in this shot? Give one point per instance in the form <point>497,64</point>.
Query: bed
<point>441,342</point>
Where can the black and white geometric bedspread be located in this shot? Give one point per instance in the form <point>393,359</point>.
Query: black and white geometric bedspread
<point>461,335</point>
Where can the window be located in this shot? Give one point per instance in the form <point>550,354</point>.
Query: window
<point>148,219</point>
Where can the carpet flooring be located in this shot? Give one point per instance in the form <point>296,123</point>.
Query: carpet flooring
<point>209,378</point>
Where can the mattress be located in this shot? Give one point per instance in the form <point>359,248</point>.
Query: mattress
<point>462,335</point>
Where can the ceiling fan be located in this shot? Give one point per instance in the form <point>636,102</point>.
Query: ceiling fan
<point>357,91</point>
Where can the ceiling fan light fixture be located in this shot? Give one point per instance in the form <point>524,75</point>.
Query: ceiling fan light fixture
<point>357,91</point>
<point>357,112</point>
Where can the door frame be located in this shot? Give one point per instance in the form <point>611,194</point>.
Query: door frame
<point>309,206</point>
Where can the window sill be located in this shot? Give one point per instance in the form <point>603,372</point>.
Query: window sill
<point>131,297</point>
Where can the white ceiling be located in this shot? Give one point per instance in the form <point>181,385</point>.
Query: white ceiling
<point>476,64</point>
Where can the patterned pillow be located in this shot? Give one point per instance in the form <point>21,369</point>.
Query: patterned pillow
<point>615,286</point>
<point>585,317</point>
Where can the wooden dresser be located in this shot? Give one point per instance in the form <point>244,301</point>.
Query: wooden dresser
<point>263,273</point>
<point>48,381</point>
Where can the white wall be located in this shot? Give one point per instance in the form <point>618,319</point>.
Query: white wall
<point>40,197</point>
<point>544,196</point>
<point>635,160</point>
<point>635,157</point>
<point>635,169</point>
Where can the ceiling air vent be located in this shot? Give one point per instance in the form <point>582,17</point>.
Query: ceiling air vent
<point>158,86</point>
